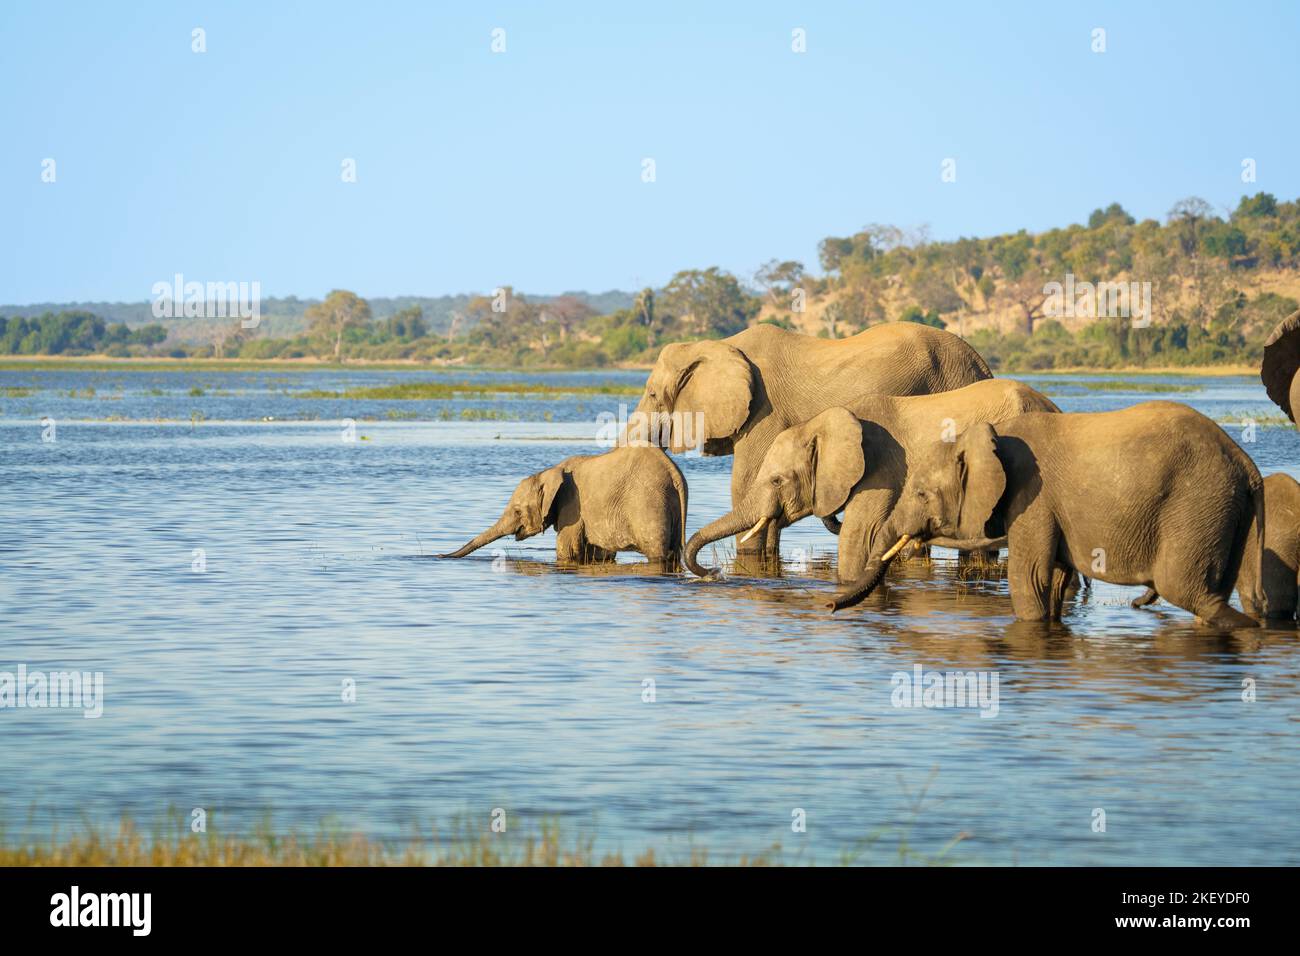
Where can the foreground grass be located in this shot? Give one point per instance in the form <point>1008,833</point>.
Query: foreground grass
<point>546,846</point>
<point>172,844</point>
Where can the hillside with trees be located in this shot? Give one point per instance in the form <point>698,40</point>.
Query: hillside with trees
<point>1216,284</point>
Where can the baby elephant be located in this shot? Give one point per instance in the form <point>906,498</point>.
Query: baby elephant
<point>627,499</point>
<point>856,460</point>
<point>1280,563</point>
<point>1156,494</point>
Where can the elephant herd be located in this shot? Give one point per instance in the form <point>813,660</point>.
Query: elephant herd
<point>899,438</point>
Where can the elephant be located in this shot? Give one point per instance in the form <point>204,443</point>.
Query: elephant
<point>1281,359</point>
<point>857,460</point>
<point>1155,494</point>
<point>626,499</point>
<point>1281,559</point>
<point>735,395</point>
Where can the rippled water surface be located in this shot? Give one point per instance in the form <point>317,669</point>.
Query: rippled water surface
<point>506,682</point>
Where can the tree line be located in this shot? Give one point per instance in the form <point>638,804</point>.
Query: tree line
<point>1203,271</point>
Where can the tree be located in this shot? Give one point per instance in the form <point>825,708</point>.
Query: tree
<point>1257,206</point>
<point>229,338</point>
<point>565,313</point>
<point>647,315</point>
<point>341,311</point>
<point>916,314</point>
<point>710,303</point>
<point>1186,217</point>
<point>778,278</point>
<point>1112,213</point>
<point>405,325</point>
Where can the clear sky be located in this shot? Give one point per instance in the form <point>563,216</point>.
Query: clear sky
<point>477,169</point>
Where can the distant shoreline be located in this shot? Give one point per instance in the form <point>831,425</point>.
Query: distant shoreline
<point>161,363</point>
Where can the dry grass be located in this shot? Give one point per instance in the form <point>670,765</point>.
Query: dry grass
<point>546,847</point>
<point>542,846</point>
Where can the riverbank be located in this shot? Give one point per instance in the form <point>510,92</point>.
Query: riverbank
<point>165,364</point>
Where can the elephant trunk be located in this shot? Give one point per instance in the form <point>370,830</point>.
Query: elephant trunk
<point>729,524</point>
<point>859,590</point>
<point>487,537</point>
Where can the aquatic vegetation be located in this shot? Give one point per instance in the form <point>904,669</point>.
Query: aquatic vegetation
<point>426,391</point>
<point>1093,385</point>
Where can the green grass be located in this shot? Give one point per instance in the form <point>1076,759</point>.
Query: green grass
<point>1121,386</point>
<point>426,391</point>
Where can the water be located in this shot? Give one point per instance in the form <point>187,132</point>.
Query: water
<point>484,684</point>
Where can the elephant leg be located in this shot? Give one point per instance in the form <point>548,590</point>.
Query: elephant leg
<point>1062,578</point>
<point>597,555</point>
<point>570,545</point>
<point>1279,588</point>
<point>1149,596</point>
<point>1211,608</point>
<point>1032,568</point>
<point>1218,613</point>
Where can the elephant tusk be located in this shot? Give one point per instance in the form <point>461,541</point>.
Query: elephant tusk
<point>898,546</point>
<point>758,526</point>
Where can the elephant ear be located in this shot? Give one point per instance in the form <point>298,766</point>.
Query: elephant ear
<point>982,479</point>
<point>549,483</point>
<point>837,459</point>
<point>714,379</point>
<point>1281,359</point>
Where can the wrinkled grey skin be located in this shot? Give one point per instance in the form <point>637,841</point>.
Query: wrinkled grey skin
<point>759,382</point>
<point>1281,359</point>
<point>1155,495</point>
<point>1281,560</point>
<point>628,499</point>
<point>858,463</point>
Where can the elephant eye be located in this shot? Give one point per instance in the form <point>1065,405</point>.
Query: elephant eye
<point>777,479</point>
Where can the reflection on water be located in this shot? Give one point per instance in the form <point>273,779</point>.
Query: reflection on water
<point>503,681</point>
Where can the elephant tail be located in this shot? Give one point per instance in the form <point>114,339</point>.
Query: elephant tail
<point>1255,544</point>
<point>1247,576</point>
<point>683,493</point>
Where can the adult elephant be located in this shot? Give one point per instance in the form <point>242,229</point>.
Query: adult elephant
<point>1281,360</point>
<point>745,390</point>
<point>1156,494</point>
<point>856,460</point>
<point>1280,567</point>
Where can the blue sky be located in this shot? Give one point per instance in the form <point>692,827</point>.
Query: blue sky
<point>477,169</point>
